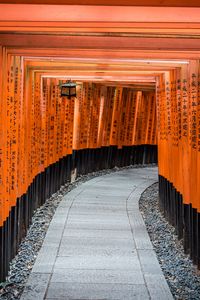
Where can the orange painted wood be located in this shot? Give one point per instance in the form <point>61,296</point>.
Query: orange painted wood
<point>164,3</point>
<point>96,43</point>
<point>47,13</point>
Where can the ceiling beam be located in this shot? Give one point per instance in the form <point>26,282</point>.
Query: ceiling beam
<point>73,13</point>
<point>101,55</point>
<point>101,25</point>
<point>163,3</point>
<point>96,43</point>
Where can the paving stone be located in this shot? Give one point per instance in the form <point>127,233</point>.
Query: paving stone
<point>97,197</point>
<point>157,287</point>
<point>98,218</point>
<point>99,205</point>
<point>54,235</point>
<point>96,291</point>
<point>142,239</point>
<point>136,220</point>
<point>57,225</point>
<point>103,249</point>
<point>48,251</point>
<point>97,237</point>
<point>105,192</point>
<point>98,226</point>
<point>59,219</point>
<point>98,211</point>
<point>149,262</point>
<point>98,276</point>
<point>36,287</point>
<point>99,262</point>
<point>100,200</point>
<point>119,186</point>
<point>46,259</point>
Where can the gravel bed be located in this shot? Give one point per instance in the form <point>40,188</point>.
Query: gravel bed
<point>22,264</point>
<point>182,276</point>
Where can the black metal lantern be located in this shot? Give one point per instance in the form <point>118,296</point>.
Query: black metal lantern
<point>68,89</point>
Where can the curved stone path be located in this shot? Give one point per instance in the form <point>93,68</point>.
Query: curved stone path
<point>97,246</point>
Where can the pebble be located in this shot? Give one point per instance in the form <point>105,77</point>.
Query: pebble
<point>182,276</point>
<point>22,264</point>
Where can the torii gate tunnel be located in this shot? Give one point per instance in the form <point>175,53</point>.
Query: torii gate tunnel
<point>137,70</point>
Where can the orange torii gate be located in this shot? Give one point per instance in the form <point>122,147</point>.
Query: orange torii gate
<point>112,122</point>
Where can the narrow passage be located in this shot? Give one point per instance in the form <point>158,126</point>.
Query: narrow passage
<point>97,246</point>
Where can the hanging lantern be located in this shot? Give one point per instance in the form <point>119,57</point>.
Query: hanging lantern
<point>68,89</point>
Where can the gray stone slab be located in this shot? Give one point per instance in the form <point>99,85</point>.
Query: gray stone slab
<point>45,260</point>
<point>50,243</point>
<point>109,187</point>
<point>95,250</point>
<point>149,262</point>
<point>74,192</point>
<point>59,218</point>
<point>137,192</point>
<point>98,262</point>
<point>101,202</point>
<point>158,287</point>
<point>70,251</point>
<point>54,235</point>
<point>98,276</point>
<point>120,182</point>
<point>101,197</point>
<point>136,220</point>
<point>105,216</point>
<point>88,196</point>
<point>103,235</point>
<point>48,251</point>
<point>118,193</point>
<point>43,267</point>
<point>134,197</point>
<point>115,185</point>
<point>98,218</point>
<point>116,190</point>
<point>142,239</point>
<point>118,219</point>
<point>98,226</point>
<point>62,213</point>
<point>57,225</point>
<point>36,287</point>
<point>97,212</point>
<point>93,220</point>
<point>133,207</point>
<point>98,205</point>
<point>96,291</point>
<point>64,205</point>
<point>93,181</point>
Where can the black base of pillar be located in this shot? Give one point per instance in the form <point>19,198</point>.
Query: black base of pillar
<point>183,217</point>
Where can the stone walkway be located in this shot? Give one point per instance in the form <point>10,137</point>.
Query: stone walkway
<point>97,246</point>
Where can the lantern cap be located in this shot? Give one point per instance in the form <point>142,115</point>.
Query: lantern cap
<point>69,84</point>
